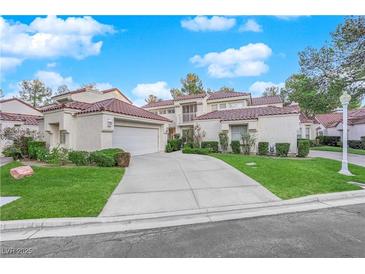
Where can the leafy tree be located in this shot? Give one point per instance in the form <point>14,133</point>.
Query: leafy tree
<point>226,89</point>
<point>271,91</point>
<point>62,89</point>
<point>91,86</point>
<point>35,92</point>
<point>191,84</point>
<point>1,93</point>
<point>175,92</point>
<point>338,65</point>
<point>152,99</point>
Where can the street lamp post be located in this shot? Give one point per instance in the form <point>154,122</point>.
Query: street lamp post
<point>345,100</point>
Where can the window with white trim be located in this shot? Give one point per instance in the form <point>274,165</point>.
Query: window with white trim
<point>237,131</point>
<point>214,107</point>
<point>222,106</point>
<point>307,133</point>
<point>62,137</point>
<point>171,110</point>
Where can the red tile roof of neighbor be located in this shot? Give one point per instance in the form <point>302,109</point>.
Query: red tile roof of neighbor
<point>120,107</point>
<point>247,113</point>
<point>72,105</point>
<point>305,119</point>
<point>329,120</point>
<point>27,119</point>
<point>266,100</point>
<point>223,95</point>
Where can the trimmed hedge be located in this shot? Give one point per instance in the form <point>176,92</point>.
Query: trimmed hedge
<point>79,158</point>
<point>303,148</point>
<point>102,160</point>
<point>356,144</point>
<point>236,147</point>
<point>329,140</point>
<point>33,146</point>
<point>263,148</point>
<point>282,149</point>
<point>202,151</point>
<point>213,145</point>
<point>169,148</point>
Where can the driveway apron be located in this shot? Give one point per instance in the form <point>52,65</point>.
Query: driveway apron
<point>167,182</point>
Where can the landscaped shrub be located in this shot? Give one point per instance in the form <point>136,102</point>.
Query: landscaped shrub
<point>236,147</point>
<point>203,151</point>
<point>79,158</point>
<point>57,156</point>
<point>189,144</point>
<point>112,152</point>
<point>102,159</point>
<point>223,140</point>
<point>263,148</point>
<point>248,141</point>
<point>175,144</point>
<point>32,148</point>
<point>12,151</point>
<point>123,159</point>
<point>303,148</point>
<point>356,144</point>
<point>282,149</point>
<point>169,148</point>
<point>213,145</point>
<point>329,140</point>
<point>22,144</point>
<point>41,154</point>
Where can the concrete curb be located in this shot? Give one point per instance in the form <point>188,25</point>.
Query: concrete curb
<point>63,227</point>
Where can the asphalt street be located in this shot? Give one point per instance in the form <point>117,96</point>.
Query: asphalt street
<point>334,232</point>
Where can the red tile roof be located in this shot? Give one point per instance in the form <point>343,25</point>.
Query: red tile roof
<point>73,105</point>
<point>159,104</point>
<point>266,100</point>
<point>27,119</point>
<point>190,96</point>
<point>247,113</point>
<point>329,120</point>
<point>305,119</point>
<point>117,106</point>
<point>223,95</point>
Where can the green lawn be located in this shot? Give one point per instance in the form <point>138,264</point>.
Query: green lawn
<point>290,178</point>
<point>339,149</point>
<point>58,191</point>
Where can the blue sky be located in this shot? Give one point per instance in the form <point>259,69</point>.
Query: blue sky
<point>149,54</point>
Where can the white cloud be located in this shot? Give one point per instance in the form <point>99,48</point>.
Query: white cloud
<point>259,87</point>
<point>287,17</point>
<point>203,23</point>
<point>251,25</point>
<point>248,60</point>
<point>51,65</point>
<point>52,37</point>
<point>9,63</point>
<point>54,80</point>
<point>159,89</point>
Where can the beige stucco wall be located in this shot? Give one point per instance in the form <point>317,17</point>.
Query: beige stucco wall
<point>279,129</point>
<point>356,131</point>
<point>15,106</point>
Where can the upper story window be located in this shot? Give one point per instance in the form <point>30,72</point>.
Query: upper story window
<point>163,111</point>
<point>189,108</point>
<point>222,106</point>
<point>214,107</point>
<point>171,110</point>
<point>236,105</point>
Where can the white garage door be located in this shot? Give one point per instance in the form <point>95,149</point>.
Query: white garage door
<point>136,140</point>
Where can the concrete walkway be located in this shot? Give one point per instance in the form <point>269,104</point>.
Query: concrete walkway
<point>5,160</point>
<point>174,182</point>
<point>352,158</point>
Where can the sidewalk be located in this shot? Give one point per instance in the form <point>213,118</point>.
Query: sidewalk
<point>64,227</point>
<point>352,158</point>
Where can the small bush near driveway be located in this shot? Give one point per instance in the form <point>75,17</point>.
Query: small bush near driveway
<point>282,149</point>
<point>236,147</point>
<point>213,145</point>
<point>79,158</point>
<point>263,148</point>
<point>303,148</point>
<point>55,192</point>
<point>203,151</point>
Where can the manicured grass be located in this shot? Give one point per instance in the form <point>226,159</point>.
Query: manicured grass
<point>58,191</point>
<point>290,178</point>
<point>339,149</point>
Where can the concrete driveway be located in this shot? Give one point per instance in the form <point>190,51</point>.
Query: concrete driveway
<point>352,158</point>
<point>164,182</point>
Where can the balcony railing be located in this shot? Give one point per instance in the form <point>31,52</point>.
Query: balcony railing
<point>188,117</point>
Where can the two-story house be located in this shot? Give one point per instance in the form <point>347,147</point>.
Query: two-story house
<point>234,112</point>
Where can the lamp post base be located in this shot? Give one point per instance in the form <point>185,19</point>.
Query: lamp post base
<point>344,169</point>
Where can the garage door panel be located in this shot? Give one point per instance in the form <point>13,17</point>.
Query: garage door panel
<point>136,140</point>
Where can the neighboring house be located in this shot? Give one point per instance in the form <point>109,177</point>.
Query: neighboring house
<point>234,112</point>
<point>330,124</point>
<point>17,113</point>
<point>90,120</point>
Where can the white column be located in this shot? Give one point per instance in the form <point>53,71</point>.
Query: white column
<point>345,101</point>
